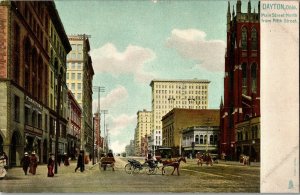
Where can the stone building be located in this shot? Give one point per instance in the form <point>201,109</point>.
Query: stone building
<point>169,94</point>
<point>240,112</point>
<point>33,44</point>
<point>143,128</point>
<point>80,74</point>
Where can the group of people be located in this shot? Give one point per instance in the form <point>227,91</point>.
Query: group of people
<point>30,162</point>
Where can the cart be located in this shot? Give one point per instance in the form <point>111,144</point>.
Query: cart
<point>107,162</point>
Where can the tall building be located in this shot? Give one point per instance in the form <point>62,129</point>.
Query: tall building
<point>143,128</point>
<point>33,45</point>
<point>240,112</point>
<point>169,94</point>
<point>80,74</point>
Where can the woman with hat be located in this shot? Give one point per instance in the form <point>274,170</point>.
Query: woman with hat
<point>25,162</point>
<point>51,165</point>
<point>33,163</point>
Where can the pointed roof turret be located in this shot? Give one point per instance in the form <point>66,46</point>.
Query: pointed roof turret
<point>249,7</point>
<point>238,6</point>
<point>221,104</point>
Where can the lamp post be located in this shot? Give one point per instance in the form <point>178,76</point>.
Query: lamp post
<point>93,141</point>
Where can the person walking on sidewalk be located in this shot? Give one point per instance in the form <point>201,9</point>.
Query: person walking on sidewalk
<point>25,162</point>
<point>51,165</point>
<point>79,162</point>
<point>33,163</point>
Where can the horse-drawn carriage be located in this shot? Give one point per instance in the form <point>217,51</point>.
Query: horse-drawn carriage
<point>207,158</point>
<point>107,162</point>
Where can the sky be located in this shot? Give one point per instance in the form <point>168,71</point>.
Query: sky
<point>133,42</point>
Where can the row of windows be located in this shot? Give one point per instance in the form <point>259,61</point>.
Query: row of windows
<point>253,36</point>
<point>253,134</point>
<point>75,56</point>
<point>76,47</point>
<point>253,78</point>
<point>179,92</point>
<point>73,65</point>
<point>72,86</point>
<point>183,86</point>
<point>73,76</point>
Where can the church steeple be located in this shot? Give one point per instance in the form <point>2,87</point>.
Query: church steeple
<point>233,11</point>
<point>238,7</point>
<point>249,7</point>
<point>228,17</point>
<point>221,104</point>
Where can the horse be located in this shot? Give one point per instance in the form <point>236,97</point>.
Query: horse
<point>206,158</point>
<point>173,163</point>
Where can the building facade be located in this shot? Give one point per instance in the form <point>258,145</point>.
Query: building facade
<point>80,74</point>
<point>177,120</point>
<point>143,128</point>
<point>74,126</point>
<point>169,94</point>
<point>240,112</point>
<point>97,135</point>
<point>28,52</point>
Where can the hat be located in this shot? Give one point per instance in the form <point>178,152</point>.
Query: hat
<point>26,153</point>
<point>51,154</point>
<point>33,152</point>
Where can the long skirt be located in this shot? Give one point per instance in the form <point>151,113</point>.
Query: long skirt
<point>50,171</point>
<point>32,169</point>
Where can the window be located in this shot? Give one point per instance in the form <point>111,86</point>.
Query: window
<point>211,139</point>
<point>197,139</point>
<point>26,115</point>
<point>78,75</point>
<point>73,47</point>
<point>253,39</point>
<point>73,86</point>
<point>67,75</point>
<point>73,65</point>
<point>46,122</point>
<point>244,38</point>
<point>39,121</point>
<point>73,56</point>
<point>17,108</point>
<point>78,86</point>
<point>205,139</point>
<point>215,139</point>
<point>79,47</point>
<point>73,76</point>
<point>79,56</point>
<point>244,78</point>
<point>34,119</point>
<point>79,66</point>
<point>254,78</point>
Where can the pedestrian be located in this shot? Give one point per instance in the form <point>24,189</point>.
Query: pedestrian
<point>51,165</point>
<point>66,160</point>
<point>33,163</point>
<point>79,162</point>
<point>25,162</point>
<point>5,157</point>
<point>59,159</point>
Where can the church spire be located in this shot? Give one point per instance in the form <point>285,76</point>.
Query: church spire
<point>228,17</point>
<point>238,6</point>
<point>233,11</point>
<point>249,7</point>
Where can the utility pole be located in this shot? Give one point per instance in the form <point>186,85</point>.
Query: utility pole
<point>208,122</point>
<point>104,112</point>
<point>99,89</point>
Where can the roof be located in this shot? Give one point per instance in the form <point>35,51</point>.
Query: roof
<point>181,80</point>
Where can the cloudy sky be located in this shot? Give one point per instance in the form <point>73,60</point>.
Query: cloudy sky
<point>133,42</point>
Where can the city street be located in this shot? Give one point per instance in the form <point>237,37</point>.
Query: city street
<point>222,177</point>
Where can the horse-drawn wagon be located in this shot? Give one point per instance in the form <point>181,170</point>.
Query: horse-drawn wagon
<point>107,162</point>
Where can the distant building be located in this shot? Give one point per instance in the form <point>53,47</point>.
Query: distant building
<point>240,113</point>
<point>169,94</point>
<point>143,128</point>
<point>33,53</point>
<point>80,74</point>
<point>177,121</point>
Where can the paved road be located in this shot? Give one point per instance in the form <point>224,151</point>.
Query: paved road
<point>218,178</point>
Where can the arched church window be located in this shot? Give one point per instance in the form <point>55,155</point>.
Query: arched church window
<point>254,78</point>
<point>201,139</point>
<point>244,38</point>
<point>244,78</point>
<point>253,39</point>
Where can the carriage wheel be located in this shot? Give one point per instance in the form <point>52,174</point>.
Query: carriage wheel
<point>136,169</point>
<point>151,171</point>
<point>128,168</point>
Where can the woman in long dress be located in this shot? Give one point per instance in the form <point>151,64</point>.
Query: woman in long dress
<point>33,163</point>
<point>51,165</point>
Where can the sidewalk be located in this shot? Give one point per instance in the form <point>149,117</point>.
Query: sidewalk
<point>223,162</point>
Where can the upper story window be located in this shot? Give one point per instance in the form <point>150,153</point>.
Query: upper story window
<point>244,38</point>
<point>253,39</point>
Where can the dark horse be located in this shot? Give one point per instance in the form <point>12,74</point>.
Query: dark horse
<point>205,159</point>
<point>173,163</point>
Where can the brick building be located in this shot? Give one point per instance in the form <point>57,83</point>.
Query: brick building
<point>33,45</point>
<point>240,112</point>
<point>175,122</point>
